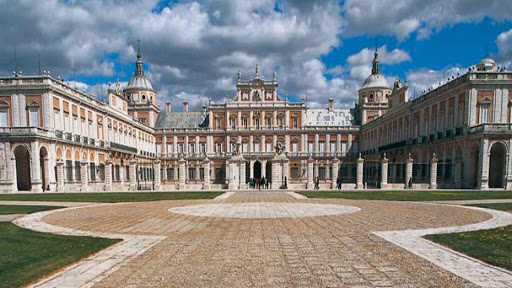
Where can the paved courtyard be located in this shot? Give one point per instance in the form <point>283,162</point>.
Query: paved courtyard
<point>270,240</point>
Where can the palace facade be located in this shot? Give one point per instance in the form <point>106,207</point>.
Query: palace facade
<point>56,138</point>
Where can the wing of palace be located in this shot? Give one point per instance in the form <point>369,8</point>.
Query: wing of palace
<point>56,138</point>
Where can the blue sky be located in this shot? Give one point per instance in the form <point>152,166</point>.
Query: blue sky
<point>193,49</point>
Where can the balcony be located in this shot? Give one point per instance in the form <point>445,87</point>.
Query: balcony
<point>92,142</point>
<point>440,135</point>
<point>58,134</point>
<point>122,147</point>
<point>85,140</point>
<point>102,143</point>
<point>449,133</point>
<point>424,139</point>
<point>77,138</point>
<point>67,136</point>
<point>458,131</point>
<point>432,137</point>
<point>498,128</point>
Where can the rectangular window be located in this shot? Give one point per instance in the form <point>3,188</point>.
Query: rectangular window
<point>321,173</point>
<point>269,122</point>
<point>84,132</point>
<point>295,148</point>
<point>244,121</point>
<point>217,124</point>
<point>322,148</point>
<point>75,126</point>
<point>56,118</point>
<point>203,148</point>
<point>170,149</point>
<point>256,147</point>
<point>295,123</point>
<point>332,147</point>
<point>343,148</point>
<point>170,173</point>
<point>269,147</point>
<point>280,122</point>
<point>158,150</point>
<point>3,119</point>
<point>310,147</point>
<point>191,148</point>
<point>180,148</point>
<point>244,147</point>
<point>257,123</point>
<point>34,118</point>
<point>218,148</point>
<point>191,173</point>
<point>66,122</point>
<point>92,172</point>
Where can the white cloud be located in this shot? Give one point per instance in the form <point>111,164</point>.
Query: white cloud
<point>422,79</point>
<point>402,18</point>
<point>360,64</point>
<point>504,42</point>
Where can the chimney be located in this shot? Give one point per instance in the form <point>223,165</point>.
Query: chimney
<point>331,104</point>
<point>168,106</point>
<point>185,106</point>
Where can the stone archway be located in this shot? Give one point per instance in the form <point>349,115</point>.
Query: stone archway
<point>497,165</point>
<point>44,164</point>
<point>257,169</point>
<point>22,156</point>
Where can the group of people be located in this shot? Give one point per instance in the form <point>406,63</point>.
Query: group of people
<point>317,183</point>
<point>258,183</point>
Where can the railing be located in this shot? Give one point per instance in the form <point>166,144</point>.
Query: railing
<point>92,141</point>
<point>449,133</point>
<point>393,145</point>
<point>58,134</point>
<point>102,143</point>
<point>77,138</point>
<point>491,128</point>
<point>67,136</point>
<point>458,131</point>
<point>122,147</point>
<point>85,140</point>
<point>440,135</point>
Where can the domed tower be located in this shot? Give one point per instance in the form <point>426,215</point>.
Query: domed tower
<point>141,97</point>
<point>373,95</point>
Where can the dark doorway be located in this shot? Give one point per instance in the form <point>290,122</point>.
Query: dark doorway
<point>497,166</point>
<point>257,170</point>
<point>22,168</point>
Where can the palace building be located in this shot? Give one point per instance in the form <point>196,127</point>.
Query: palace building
<point>56,138</point>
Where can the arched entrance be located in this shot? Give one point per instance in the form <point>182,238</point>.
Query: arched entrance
<point>247,171</point>
<point>497,166</point>
<point>257,170</point>
<point>22,168</point>
<point>44,164</point>
<point>474,164</point>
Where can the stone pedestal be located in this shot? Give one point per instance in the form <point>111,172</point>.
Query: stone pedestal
<point>242,184</point>
<point>158,171</point>
<point>286,173</point>
<point>133,174</point>
<point>359,176</point>
<point>206,169</point>
<point>232,178</point>
<point>182,176</point>
<point>84,177</point>
<point>384,172</point>
<point>433,172</point>
<point>310,182</point>
<point>108,175</point>
<point>335,168</point>
<point>408,172</point>
<point>60,175</point>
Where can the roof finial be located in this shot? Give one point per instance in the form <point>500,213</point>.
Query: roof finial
<point>375,65</point>
<point>139,66</point>
<point>138,48</point>
<point>257,70</point>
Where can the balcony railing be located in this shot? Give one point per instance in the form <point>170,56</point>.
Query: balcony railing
<point>123,147</point>
<point>77,138</point>
<point>458,131</point>
<point>495,128</point>
<point>67,136</point>
<point>58,134</point>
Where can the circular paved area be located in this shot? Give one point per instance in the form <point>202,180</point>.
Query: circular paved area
<point>323,251</point>
<point>264,210</point>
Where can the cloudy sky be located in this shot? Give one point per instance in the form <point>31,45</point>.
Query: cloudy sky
<point>193,49</point>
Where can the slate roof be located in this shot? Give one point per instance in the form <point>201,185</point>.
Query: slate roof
<point>324,117</point>
<point>181,120</point>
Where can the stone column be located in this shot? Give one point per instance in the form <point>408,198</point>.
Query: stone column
<point>84,169</point>
<point>408,171</point>
<point>60,175</point>
<point>133,174</point>
<point>433,172</point>
<point>182,172</point>
<point>198,171</point>
<point>310,184</point>
<point>335,168</point>
<point>242,184</point>
<point>35,175</point>
<point>457,174</point>
<point>251,171</point>
<point>275,175</point>
<point>360,163</point>
<point>206,169</point>
<point>108,175</point>
<point>232,183</point>
<point>384,172</point>
<point>164,173</point>
<point>158,181</point>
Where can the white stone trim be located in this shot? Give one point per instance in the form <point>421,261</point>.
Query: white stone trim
<point>471,269</point>
<point>89,271</point>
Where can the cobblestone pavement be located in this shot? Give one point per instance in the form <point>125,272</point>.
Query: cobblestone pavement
<point>322,251</point>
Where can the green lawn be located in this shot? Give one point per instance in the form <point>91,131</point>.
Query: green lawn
<point>493,246</point>
<point>408,195</point>
<point>26,256</point>
<point>109,197</point>
<point>22,209</point>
